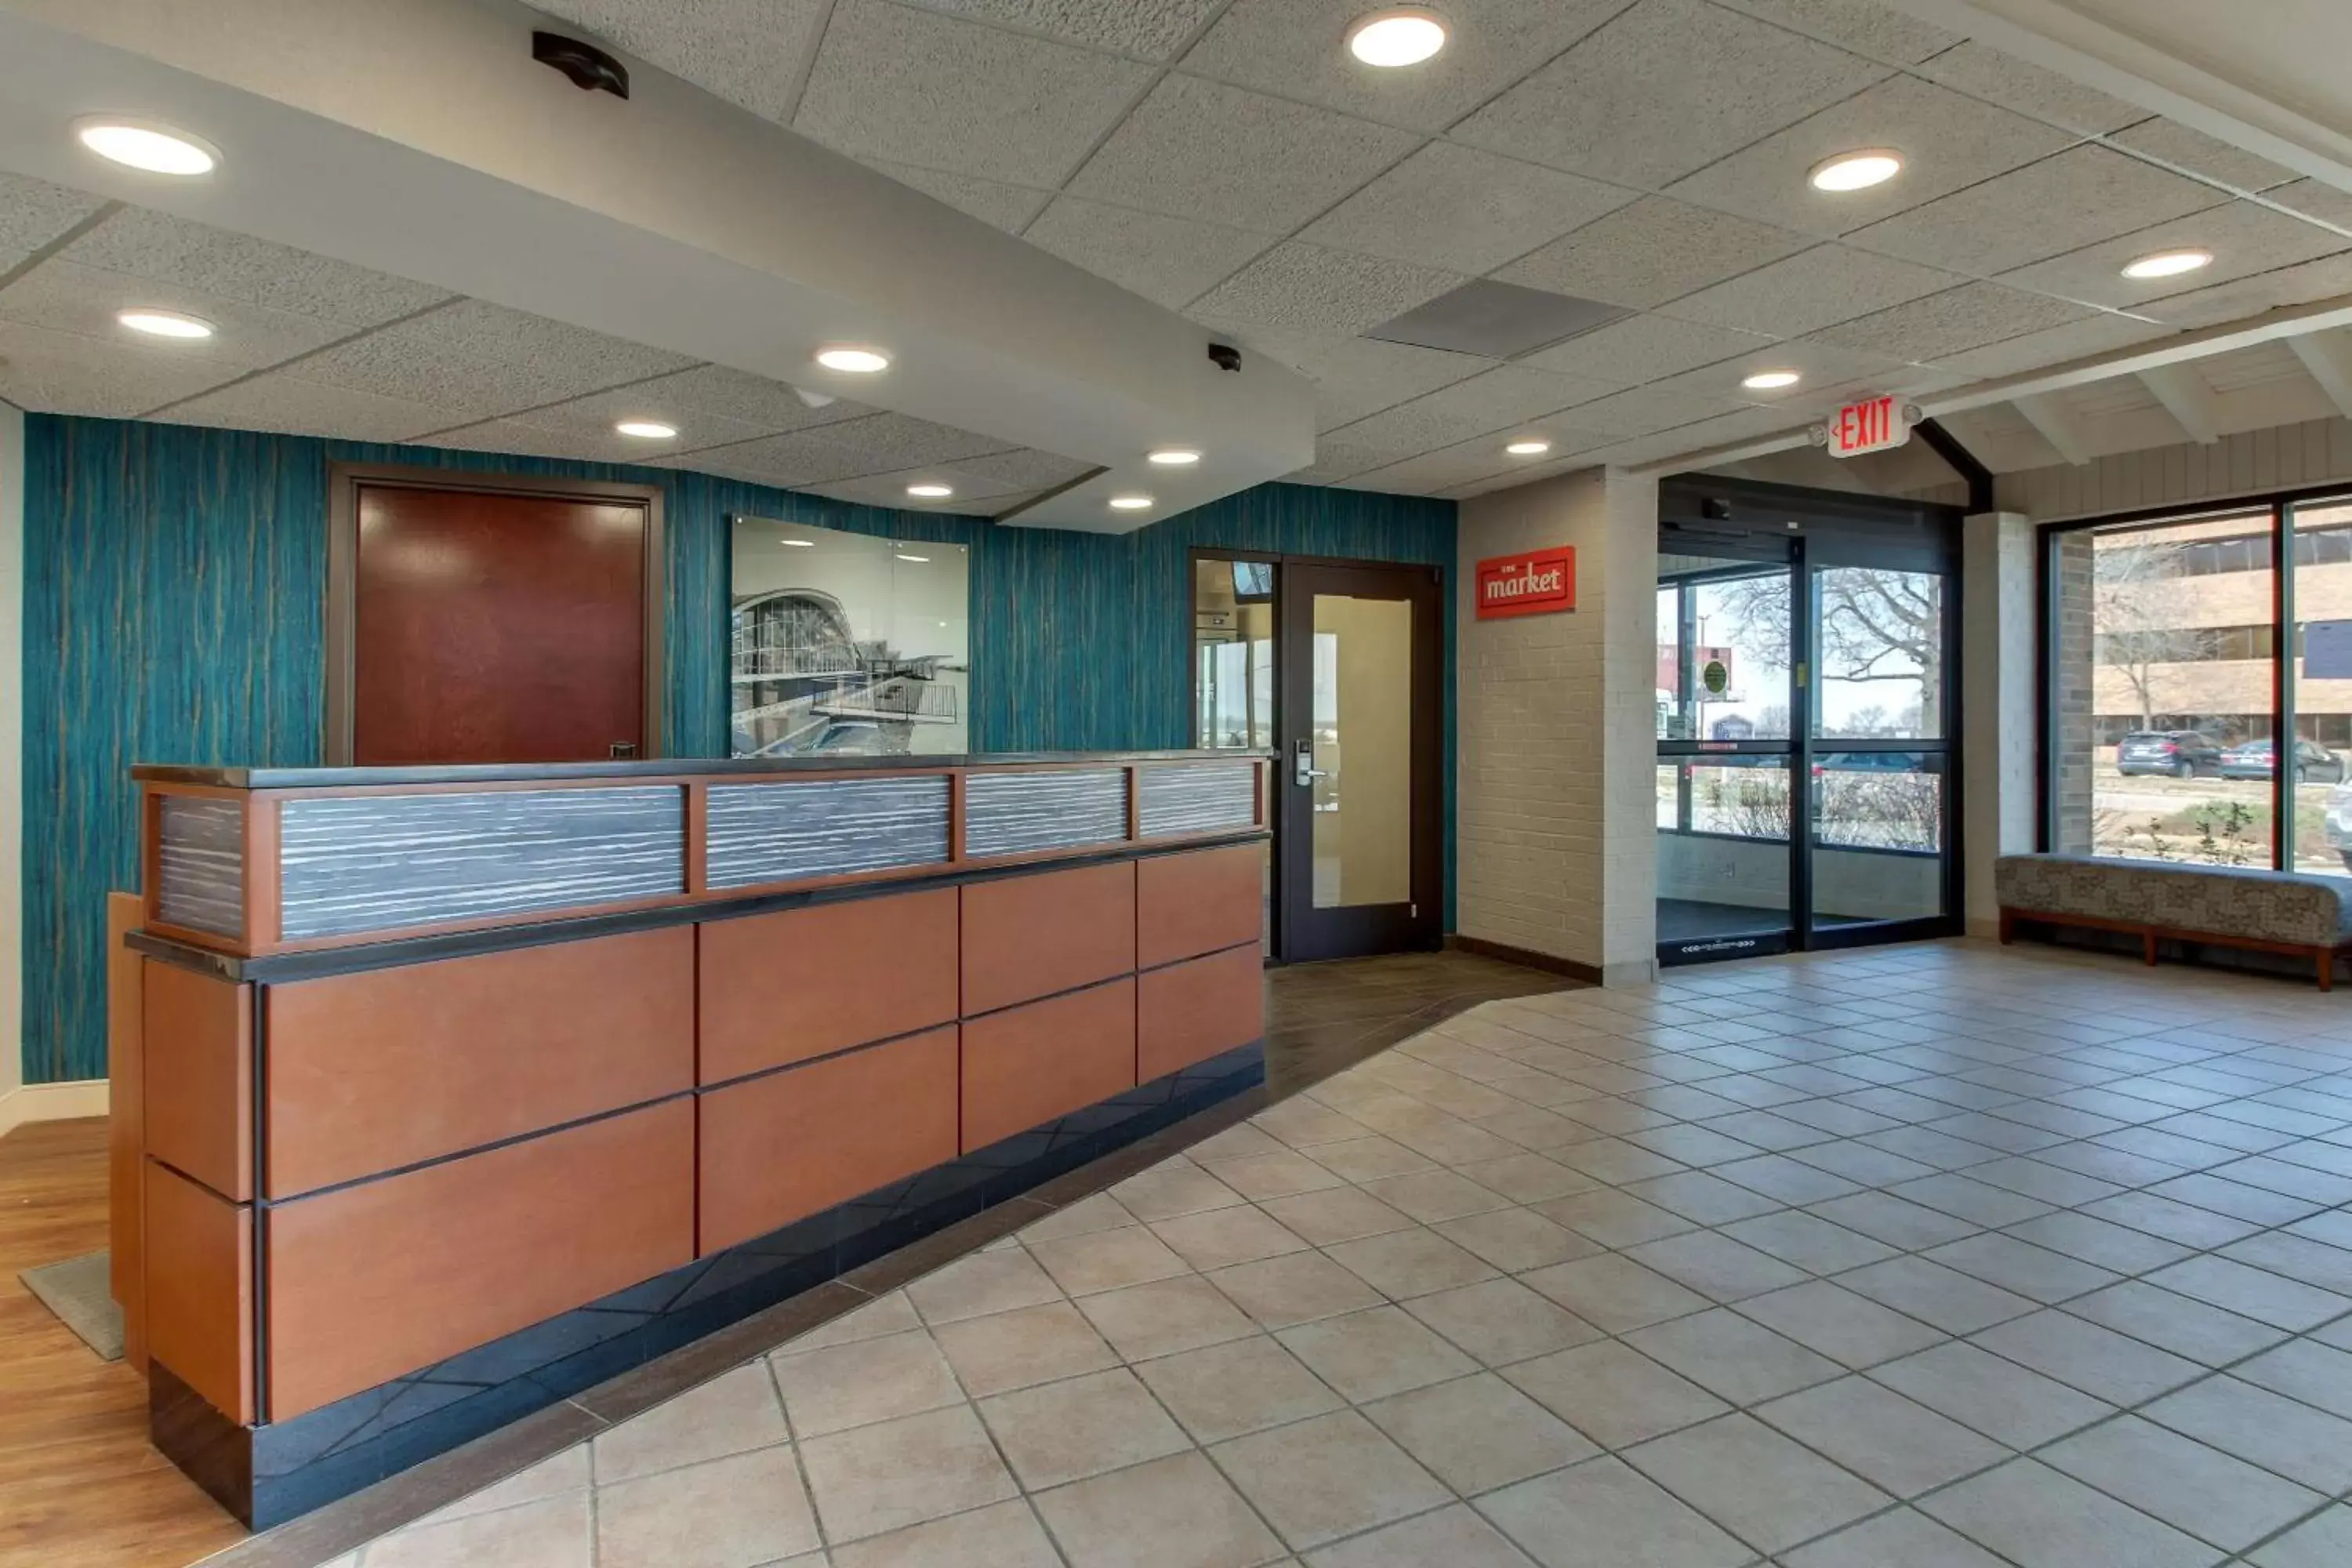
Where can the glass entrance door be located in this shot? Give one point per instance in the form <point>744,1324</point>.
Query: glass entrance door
<point>1803,724</point>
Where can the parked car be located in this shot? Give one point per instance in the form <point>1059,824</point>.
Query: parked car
<point>2313,763</point>
<point>2171,754</point>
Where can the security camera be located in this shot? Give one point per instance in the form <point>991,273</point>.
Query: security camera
<point>587,67</point>
<point>1224,356</point>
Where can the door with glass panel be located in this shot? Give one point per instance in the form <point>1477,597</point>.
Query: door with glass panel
<point>1360,725</point>
<point>1803,723</point>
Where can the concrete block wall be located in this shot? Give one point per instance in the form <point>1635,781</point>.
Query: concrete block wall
<point>1556,838</point>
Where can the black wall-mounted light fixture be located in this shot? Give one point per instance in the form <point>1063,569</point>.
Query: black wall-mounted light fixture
<point>588,68</point>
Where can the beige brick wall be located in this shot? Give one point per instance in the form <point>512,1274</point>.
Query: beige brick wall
<point>1555,791</point>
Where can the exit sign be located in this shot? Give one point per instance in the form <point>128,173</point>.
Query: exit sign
<point>1871,426</point>
<point>1537,583</point>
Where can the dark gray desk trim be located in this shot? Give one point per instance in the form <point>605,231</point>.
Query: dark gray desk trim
<point>669,767</point>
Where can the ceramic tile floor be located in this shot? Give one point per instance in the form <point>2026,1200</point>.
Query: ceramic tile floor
<point>1941,1257</point>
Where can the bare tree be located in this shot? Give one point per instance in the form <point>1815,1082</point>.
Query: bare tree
<point>1875,624</point>
<point>2132,609</point>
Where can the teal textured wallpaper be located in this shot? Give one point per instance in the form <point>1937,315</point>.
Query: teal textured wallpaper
<point>175,582</point>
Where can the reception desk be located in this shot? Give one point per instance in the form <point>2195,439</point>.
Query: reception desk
<point>463,1090</point>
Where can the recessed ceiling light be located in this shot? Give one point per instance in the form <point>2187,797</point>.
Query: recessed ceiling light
<point>1405,36</point>
<point>156,148</point>
<point>854,361</point>
<point>1176,456</point>
<point>1530,448</point>
<point>1130,503</point>
<point>916,559</point>
<point>165,323</point>
<point>798,543</point>
<point>647,429</point>
<point>930,492</point>
<point>1857,171</point>
<point>1771,380</point>
<point>2168,264</point>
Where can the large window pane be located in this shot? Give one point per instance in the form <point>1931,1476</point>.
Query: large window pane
<point>1881,652</point>
<point>1729,876</point>
<point>2163,690</point>
<point>1723,650</point>
<point>1233,651</point>
<point>2322,668</point>
<point>1878,836</point>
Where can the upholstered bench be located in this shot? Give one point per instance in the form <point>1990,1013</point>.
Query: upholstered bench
<point>2274,911</point>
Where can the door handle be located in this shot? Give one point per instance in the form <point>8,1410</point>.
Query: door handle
<point>1304,770</point>
<point>622,748</point>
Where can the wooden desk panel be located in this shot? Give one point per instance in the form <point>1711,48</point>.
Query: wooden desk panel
<point>785,987</point>
<point>200,1289</point>
<point>783,1147</point>
<point>196,1050</point>
<point>373,1071</point>
<point>1025,937</point>
<point>377,1280</point>
<point>1189,1011</point>
<point>1199,902</point>
<point>1029,1065</point>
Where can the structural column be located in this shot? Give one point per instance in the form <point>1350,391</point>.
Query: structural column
<point>1999,634</point>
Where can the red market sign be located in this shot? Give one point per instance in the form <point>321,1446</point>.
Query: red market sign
<point>1538,583</point>
<point>1872,427</point>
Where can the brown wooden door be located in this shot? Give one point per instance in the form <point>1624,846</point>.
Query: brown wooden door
<point>494,627</point>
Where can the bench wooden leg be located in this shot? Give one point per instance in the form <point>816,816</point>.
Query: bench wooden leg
<point>2148,947</point>
<point>2008,927</point>
<point>2326,958</point>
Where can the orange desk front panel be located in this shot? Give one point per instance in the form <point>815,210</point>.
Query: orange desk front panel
<point>1026,937</point>
<point>1209,899</point>
<point>1190,1012</point>
<point>1030,1064</point>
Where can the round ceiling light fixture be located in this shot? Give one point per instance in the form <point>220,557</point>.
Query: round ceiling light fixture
<point>165,323</point>
<point>1404,36</point>
<point>1532,446</point>
<point>647,429</point>
<point>798,543</point>
<point>1771,380</point>
<point>1130,503</point>
<point>1175,456</point>
<point>930,492</point>
<point>1857,171</point>
<point>851,360</point>
<point>2168,264</point>
<point>917,560</point>
<point>147,146</point>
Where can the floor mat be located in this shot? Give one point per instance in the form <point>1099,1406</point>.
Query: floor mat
<point>77,1291</point>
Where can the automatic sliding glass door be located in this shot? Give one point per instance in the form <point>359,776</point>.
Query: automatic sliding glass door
<point>1835,828</point>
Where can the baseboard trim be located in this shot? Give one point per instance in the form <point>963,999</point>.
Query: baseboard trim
<point>1527,958</point>
<point>52,1101</point>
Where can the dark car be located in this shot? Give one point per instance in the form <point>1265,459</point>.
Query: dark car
<point>2313,763</point>
<point>2171,754</point>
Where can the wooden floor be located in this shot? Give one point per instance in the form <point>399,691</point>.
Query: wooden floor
<point>80,1485</point>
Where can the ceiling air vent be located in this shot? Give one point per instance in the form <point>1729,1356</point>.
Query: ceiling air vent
<point>1497,320</point>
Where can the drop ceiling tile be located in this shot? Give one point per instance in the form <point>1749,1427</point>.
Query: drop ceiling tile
<point>1202,150</point>
<point>752,53</point>
<point>877,444</point>
<point>2325,278</point>
<point>1948,141</point>
<point>65,298</point>
<point>1500,399</point>
<point>890,490</point>
<point>1644,349</point>
<point>1169,260</point>
<point>2244,237</point>
<point>1744,425</point>
<point>1008,207</point>
<point>2056,346</point>
<point>63,372</point>
<point>1664,90</point>
<point>1450,205</point>
<point>1951,323</point>
<point>1982,71</point>
<point>34,213</point>
<point>286,404</point>
<point>1335,460</point>
<point>1646,409</point>
<point>531,439</point>
<point>728,393</point>
<point>1024,468</point>
<point>1654,251</point>
<point>1154,29</point>
<point>1294,47</point>
<point>1533,473</point>
<point>2175,143</point>
<point>1807,292</point>
<point>2080,197</point>
<point>915,86</point>
<point>1433,471</point>
<point>479,359</point>
<point>1824,367</point>
<point>1363,375</point>
<point>1866,26</point>
<point>684,402</point>
<point>138,243</point>
<point>1307,286</point>
<point>2315,199</point>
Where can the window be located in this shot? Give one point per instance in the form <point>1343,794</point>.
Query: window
<point>2172,678</point>
<point>1233,655</point>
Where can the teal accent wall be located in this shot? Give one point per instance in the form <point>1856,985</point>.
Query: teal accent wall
<point>175,590</point>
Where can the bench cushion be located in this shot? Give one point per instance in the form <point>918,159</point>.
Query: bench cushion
<point>2223,901</point>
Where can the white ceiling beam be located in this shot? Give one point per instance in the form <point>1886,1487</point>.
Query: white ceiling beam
<point>2057,425</point>
<point>2187,398</point>
<point>2328,356</point>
